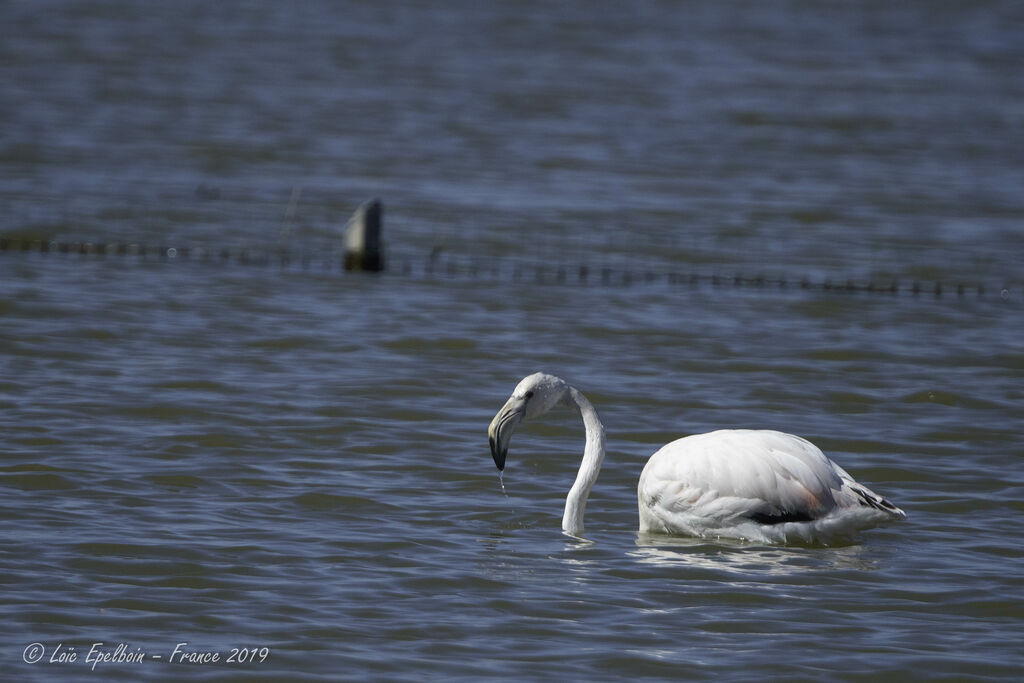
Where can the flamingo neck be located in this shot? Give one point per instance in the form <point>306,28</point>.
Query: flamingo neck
<point>593,456</point>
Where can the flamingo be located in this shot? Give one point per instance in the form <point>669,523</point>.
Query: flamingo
<point>752,484</point>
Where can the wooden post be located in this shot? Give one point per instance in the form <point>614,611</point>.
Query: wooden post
<point>363,249</point>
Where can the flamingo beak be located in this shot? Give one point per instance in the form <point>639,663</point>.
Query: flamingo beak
<point>504,423</point>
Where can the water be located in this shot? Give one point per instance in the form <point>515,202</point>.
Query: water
<point>294,458</point>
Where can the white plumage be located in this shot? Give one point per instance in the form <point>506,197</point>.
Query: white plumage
<point>754,484</point>
<point>737,483</point>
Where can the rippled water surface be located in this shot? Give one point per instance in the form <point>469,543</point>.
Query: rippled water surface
<point>289,462</point>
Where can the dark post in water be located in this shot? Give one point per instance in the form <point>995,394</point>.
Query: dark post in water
<point>362,238</point>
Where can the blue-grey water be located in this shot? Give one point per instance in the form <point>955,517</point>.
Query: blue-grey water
<point>287,464</point>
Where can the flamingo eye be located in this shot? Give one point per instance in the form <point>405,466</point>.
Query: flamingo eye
<point>528,395</point>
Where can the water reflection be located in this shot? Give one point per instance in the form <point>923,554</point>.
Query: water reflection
<point>737,557</point>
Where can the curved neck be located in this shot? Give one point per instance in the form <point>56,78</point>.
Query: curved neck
<point>593,456</point>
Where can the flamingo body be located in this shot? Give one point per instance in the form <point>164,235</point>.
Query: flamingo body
<point>754,484</point>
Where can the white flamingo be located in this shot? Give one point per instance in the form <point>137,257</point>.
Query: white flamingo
<point>736,483</point>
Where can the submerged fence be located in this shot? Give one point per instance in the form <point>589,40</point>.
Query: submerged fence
<point>441,265</point>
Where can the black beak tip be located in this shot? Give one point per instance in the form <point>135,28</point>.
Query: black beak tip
<point>499,458</point>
